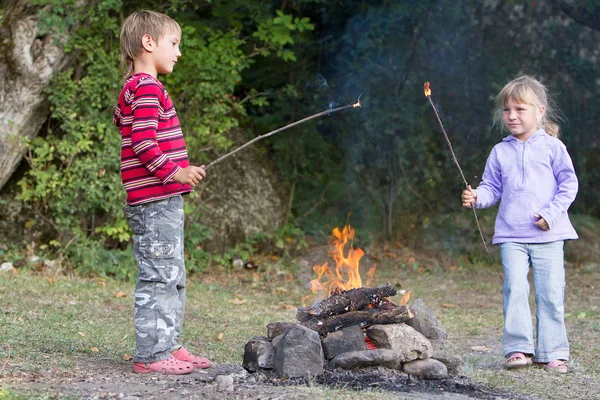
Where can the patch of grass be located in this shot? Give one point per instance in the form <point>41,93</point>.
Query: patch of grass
<point>49,324</point>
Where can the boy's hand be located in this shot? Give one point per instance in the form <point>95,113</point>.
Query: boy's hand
<point>541,223</point>
<point>469,197</point>
<point>190,175</point>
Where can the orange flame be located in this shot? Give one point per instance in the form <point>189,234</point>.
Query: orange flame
<point>346,275</point>
<point>427,89</point>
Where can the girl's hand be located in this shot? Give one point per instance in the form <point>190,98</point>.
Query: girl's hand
<point>469,197</point>
<point>541,223</point>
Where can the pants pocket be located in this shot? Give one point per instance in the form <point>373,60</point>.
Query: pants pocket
<point>135,219</point>
<point>157,263</point>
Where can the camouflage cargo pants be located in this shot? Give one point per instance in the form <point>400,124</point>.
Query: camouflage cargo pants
<point>159,298</point>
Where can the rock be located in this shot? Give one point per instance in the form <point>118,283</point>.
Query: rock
<point>298,353</point>
<point>275,329</point>
<point>426,369</point>
<point>240,201</point>
<point>258,354</point>
<point>368,358</point>
<point>7,266</point>
<point>427,324</point>
<point>449,357</point>
<point>345,340</point>
<point>225,382</point>
<point>402,338</point>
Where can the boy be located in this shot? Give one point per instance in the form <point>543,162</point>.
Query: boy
<point>156,174</point>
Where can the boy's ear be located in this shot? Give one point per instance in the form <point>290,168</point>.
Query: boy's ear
<point>148,43</point>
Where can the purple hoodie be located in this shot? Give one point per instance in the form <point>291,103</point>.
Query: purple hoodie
<point>531,177</point>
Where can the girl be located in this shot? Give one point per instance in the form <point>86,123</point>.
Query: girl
<point>532,172</point>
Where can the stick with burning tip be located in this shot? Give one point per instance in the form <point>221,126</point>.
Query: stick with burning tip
<point>266,135</point>
<point>427,90</point>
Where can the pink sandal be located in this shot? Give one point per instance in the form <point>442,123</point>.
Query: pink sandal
<point>559,366</point>
<point>198,362</point>
<point>170,366</point>
<point>517,360</point>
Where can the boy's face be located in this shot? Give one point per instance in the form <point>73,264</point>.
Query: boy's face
<point>166,53</point>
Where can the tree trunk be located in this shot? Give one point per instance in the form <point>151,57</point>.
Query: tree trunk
<point>27,63</point>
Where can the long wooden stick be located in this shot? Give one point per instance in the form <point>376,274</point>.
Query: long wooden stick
<point>427,91</point>
<point>266,135</point>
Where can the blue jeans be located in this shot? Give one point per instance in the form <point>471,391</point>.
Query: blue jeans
<point>547,260</point>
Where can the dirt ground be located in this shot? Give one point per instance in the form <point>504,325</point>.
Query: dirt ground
<point>116,381</point>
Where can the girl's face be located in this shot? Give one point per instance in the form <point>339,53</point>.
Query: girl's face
<point>521,119</point>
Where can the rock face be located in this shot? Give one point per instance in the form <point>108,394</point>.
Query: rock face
<point>402,338</point>
<point>258,354</point>
<point>426,323</point>
<point>299,353</point>
<point>242,195</point>
<point>426,369</point>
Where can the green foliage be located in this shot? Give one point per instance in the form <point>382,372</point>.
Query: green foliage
<point>74,181</point>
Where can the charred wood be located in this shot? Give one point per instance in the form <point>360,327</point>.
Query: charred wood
<point>347,300</point>
<point>368,317</point>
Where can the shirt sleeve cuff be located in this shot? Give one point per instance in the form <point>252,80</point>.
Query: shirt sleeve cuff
<point>170,176</point>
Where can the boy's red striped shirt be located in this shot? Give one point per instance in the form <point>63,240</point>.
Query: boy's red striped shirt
<point>152,145</point>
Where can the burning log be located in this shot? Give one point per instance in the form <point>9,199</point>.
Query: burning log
<point>367,317</point>
<point>346,301</point>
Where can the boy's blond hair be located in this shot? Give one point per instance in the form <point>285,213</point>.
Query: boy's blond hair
<point>528,90</point>
<point>135,27</point>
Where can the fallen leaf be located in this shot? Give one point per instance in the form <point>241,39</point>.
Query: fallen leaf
<point>127,357</point>
<point>94,349</point>
<point>81,333</point>
<point>51,281</point>
<point>238,301</point>
<point>120,294</point>
<point>448,305</point>
<point>404,298</point>
<point>220,337</point>
<point>411,260</point>
<point>290,307</point>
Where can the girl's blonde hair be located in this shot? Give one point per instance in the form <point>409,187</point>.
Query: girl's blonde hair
<point>528,90</point>
<point>135,27</point>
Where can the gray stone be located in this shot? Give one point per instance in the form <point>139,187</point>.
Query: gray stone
<point>426,369</point>
<point>275,329</point>
<point>345,340</point>
<point>258,354</point>
<point>298,353</point>
<point>7,266</point>
<point>402,338</point>
<point>448,355</point>
<point>225,382</point>
<point>426,323</point>
<point>368,358</point>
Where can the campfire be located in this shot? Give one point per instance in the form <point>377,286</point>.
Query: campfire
<point>351,326</point>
